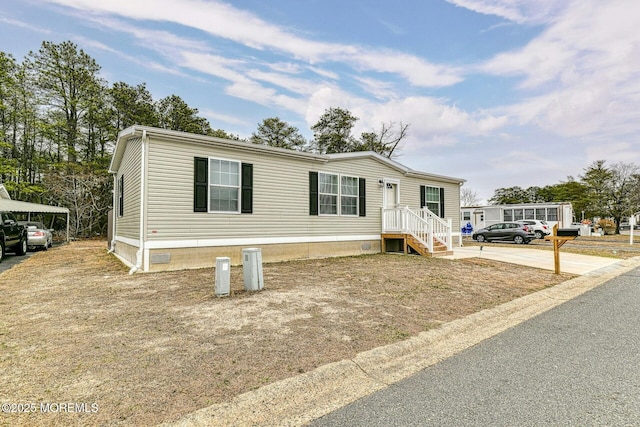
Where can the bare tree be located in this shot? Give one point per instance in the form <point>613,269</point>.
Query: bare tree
<point>386,141</point>
<point>468,197</point>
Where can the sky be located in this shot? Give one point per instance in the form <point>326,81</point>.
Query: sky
<point>500,93</point>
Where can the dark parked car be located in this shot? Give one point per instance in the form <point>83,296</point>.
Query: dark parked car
<point>13,236</point>
<point>505,231</point>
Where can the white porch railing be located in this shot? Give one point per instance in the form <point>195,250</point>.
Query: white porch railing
<point>424,225</point>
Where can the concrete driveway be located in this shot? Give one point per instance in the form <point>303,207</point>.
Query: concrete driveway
<point>519,254</point>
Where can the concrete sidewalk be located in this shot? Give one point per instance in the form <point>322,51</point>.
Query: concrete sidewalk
<point>298,400</point>
<point>523,255</point>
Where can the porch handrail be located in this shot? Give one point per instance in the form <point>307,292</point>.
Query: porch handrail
<point>424,225</point>
<point>441,227</point>
<point>419,228</point>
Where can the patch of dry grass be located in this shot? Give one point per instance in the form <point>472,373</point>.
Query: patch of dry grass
<point>147,348</point>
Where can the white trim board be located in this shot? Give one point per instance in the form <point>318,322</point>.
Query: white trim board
<point>252,241</point>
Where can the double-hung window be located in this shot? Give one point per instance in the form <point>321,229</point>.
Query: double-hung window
<point>338,194</point>
<point>348,195</point>
<point>222,185</point>
<point>432,199</point>
<point>328,192</point>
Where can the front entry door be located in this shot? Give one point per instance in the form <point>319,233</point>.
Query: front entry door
<point>391,194</point>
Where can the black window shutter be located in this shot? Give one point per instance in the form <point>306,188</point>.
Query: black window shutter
<point>247,188</point>
<point>423,200</point>
<point>121,197</point>
<point>313,193</point>
<point>362,196</point>
<point>441,202</point>
<point>200,178</point>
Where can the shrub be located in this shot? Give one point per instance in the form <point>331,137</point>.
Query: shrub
<point>607,226</point>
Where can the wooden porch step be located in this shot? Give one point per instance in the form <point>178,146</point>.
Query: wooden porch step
<point>411,242</point>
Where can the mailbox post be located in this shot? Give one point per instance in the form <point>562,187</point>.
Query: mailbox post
<point>559,237</point>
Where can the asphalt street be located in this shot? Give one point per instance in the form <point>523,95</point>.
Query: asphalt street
<point>576,364</point>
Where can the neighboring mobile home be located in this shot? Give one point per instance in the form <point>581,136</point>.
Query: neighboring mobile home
<point>484,216</point>
<point>181,200</point>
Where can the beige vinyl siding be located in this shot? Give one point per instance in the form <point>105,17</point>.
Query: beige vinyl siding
<point>280,198</point>
<point>129,224</point>
<point>409,187</point>
<point>452,205</point>
<point>280,195</point>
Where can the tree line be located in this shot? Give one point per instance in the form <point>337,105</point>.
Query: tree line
<point>59,120</point>
<point>602,191</point>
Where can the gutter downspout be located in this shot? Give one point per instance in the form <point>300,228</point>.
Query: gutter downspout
<point>115,214</point>
<point>140,251</point>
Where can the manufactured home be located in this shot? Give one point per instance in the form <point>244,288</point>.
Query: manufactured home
<point>181,200</point>
<point>484,216</point>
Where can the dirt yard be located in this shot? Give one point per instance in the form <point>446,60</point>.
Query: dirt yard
<point>91,345</point>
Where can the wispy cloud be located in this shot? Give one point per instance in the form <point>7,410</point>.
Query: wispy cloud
<point>17,23</point>
<point>146,62</point>
<point>223,20</point>
<point>519,11</point>
<point>577,78</point>
<point>584,69</point>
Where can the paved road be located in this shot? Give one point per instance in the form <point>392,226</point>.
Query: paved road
<point>577,364</point>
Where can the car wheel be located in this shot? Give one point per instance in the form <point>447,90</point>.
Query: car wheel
<point>518,240</point>
<point>21,249</point>
<point>1,251</point>
<point>480,238</point>
<point>539,235</point>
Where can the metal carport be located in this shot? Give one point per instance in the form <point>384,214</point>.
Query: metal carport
<point>29,208</point>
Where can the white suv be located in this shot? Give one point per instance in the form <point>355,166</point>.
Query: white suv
<point>540,227</point>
